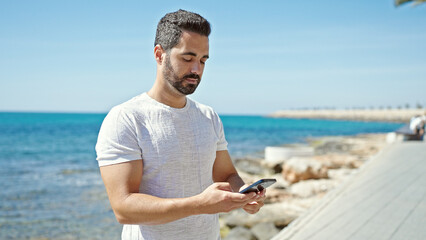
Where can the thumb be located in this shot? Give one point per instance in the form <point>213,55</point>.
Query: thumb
<point>225,186</point>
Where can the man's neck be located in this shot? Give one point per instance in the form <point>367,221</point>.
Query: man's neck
<point>167,97</point>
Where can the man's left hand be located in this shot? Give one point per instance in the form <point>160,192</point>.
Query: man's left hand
<point>254,207</point>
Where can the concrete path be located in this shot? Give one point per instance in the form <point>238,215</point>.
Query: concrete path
<point>385,200</point>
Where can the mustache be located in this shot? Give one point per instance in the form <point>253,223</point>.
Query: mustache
<point>192,75</point>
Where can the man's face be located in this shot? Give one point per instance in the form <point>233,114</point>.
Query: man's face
<point>184,63</point>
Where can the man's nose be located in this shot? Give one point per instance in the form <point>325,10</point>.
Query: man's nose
<point>196,68</point>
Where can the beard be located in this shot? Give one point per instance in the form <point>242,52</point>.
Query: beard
<point>177,82</point>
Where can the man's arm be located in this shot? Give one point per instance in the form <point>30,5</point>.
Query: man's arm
<point>224,171</point>
<point>131,207</point>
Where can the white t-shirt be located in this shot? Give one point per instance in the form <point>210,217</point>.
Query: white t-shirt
<point>178,148</point>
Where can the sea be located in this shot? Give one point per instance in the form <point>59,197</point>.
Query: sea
<point>50,185</point>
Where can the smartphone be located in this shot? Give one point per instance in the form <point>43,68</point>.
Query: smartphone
<point>259,185</point>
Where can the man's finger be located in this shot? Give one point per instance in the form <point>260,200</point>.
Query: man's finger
<point>241,198</point>
<point>223,186</point>
<point>251,208</point>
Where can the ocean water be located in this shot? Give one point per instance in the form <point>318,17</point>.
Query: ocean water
<point>50,182</point>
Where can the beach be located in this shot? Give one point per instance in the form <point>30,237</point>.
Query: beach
<point>52,188</point>
<point>302,181</point>
<point>385,115</point>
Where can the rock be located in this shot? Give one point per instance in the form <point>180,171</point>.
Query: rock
<point>307,203</point>
<point>281,182</point>
<point>331,145</point>
<point>276,195</point>
<point>360,145</point>
<point>341,174</point>
<point>393,137</point>
<point>281,214</point>
<point>248,178</point>
<point>334,161</point>
<point>279,154</point>
<point>310,188</point>
<point>252,166</point>
<point>275,166</point>
<point>239,233</point>
<point>264,231</point>
<point>298,168</point>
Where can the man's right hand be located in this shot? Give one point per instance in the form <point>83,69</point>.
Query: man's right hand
<point>219,197</point>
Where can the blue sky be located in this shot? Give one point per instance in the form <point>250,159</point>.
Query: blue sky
<point>87,56</point>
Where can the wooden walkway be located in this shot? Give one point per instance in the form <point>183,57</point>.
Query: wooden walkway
<point>385,200</point>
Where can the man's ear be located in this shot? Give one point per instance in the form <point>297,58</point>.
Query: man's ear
<point>159,54</point>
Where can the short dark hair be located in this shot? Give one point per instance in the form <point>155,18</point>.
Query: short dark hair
<point>169,28</point>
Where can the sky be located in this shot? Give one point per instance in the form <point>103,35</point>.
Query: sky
<point>265,56</point>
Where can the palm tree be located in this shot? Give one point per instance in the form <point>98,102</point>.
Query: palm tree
<point>415,2</point>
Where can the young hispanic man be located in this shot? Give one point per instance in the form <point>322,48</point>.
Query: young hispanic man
<point>163,157</point>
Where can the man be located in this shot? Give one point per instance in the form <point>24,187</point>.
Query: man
<point>163,157</point>
<point>417,126</point>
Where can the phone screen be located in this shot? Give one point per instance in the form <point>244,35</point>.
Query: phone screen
<point>259,185</point>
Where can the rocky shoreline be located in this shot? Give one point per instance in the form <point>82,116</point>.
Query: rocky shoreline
<point>301,182</point>
<point>383,115</point>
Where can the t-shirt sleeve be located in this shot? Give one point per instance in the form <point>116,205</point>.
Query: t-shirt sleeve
<point>117,139</point>
<point>222,144</point>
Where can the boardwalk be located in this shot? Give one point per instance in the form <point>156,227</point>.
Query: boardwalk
<point>385,200</point>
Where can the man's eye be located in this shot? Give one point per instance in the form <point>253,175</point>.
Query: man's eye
<point>187,59</point>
